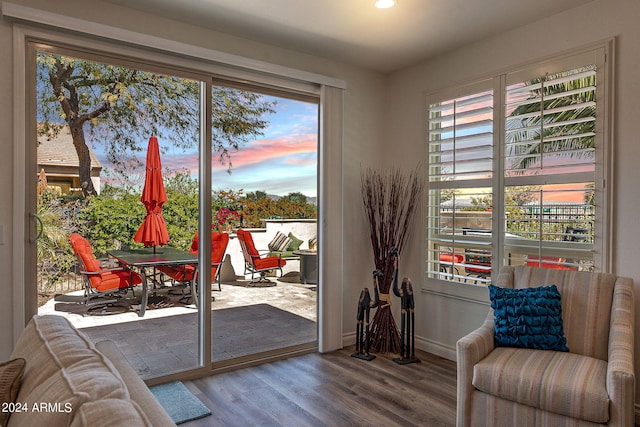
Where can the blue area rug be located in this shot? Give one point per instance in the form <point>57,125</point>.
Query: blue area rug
<point>179,402</point>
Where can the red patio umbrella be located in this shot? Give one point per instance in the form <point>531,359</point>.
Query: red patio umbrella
<point>153,231</point>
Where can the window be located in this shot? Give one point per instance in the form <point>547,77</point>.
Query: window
<point>461,151</point>
<point>515,167</point>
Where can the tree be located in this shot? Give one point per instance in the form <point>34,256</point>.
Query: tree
<point>122,107</point>
<point>567,126</point>
<point>257,195</point>
<point>590,194</point>
<point>296,197</point>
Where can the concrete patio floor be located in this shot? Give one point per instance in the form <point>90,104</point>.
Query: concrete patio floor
<point>245,320</point>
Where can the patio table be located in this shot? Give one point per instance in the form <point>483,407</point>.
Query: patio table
<point>140,259</point>
<point>308,266</point>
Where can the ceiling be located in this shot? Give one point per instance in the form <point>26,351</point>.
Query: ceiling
<point>354,31</point>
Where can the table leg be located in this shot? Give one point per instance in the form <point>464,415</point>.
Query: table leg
<point>144,297</point>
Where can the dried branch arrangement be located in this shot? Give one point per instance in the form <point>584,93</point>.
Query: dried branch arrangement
<point>390,203</point>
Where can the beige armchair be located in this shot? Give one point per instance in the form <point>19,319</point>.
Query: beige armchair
<point>592,384</point>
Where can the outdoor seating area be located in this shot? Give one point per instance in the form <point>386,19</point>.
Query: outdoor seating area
<point>145,299</point>
<point>245,320</point>
<point>468,257</point>
<point>474,265</point>
<point>136,278</point>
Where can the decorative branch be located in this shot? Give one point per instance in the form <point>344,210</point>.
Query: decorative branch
<point>390,201</point>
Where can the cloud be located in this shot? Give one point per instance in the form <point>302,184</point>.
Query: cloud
<point>275,165</point>
<point>265,150</point>
<point>283,161</point>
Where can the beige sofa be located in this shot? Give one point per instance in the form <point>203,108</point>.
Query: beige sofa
<point>69,381</point>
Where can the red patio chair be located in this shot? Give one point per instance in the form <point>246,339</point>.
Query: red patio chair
<point>99,279</point>
<point>185,273</point>
<point>254,262</point>
<point>449,262</point>
<point>549,262</point>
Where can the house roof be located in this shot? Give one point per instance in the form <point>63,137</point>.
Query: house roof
<point>59,152</point>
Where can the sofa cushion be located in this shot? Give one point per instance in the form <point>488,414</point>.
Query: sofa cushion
<point>10,380</point>
<point>50,343</point>
<point>559,382</point>
<point>138,390</point>
<point>57,400</point>
<point>528,317</point>
<point>63,371</point>
<point>111,413</point>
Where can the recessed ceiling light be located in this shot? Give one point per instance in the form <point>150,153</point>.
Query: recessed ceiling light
<point>384,4</point>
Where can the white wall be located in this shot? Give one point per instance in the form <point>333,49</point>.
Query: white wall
<point>444,319</point>
<point>363,130</point>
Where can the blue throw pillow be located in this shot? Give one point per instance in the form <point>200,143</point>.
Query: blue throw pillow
<point>528,318</point>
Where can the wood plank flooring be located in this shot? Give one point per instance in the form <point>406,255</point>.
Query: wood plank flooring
<point>331,389</point>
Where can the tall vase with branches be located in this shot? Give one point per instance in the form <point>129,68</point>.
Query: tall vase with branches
<point>390,201</point>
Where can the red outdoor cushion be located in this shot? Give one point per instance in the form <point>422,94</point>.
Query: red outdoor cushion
<point>252,255</point>
<point>184,273</point>
<point>107,279</point>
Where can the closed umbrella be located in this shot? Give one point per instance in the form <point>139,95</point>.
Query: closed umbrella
<point>153,231</point>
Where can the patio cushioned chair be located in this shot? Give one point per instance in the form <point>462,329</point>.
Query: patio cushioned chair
<point>185,274</point>
<point>593,383</point>
<point>477,262</point>
<point>254,262</point>
<point>100,280</point>
<point>550,262</point>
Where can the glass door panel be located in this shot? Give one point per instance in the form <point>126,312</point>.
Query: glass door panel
<point>97,123</point>
<point>264,182</point>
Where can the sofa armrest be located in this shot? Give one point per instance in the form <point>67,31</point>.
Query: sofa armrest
<point>620,370</point>
<point>138,390</point>
<point>471,349</point>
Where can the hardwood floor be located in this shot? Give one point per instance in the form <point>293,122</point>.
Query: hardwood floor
<point>332,389</point>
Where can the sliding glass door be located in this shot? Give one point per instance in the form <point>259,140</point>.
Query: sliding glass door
<point>233,156</point>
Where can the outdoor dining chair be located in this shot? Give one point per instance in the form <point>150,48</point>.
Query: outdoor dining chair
<point>185,273</point>
<point>256,263</point>
<point>99,279</point>
<point>550,262</point>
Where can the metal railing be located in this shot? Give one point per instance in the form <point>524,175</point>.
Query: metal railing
<point>52,280</point>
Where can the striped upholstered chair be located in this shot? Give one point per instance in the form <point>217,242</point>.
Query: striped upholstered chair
<point>591,384</point>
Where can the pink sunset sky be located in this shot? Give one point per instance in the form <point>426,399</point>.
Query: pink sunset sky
<point>282,161</point>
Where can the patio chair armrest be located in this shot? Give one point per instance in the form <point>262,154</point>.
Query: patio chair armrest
<point>104,270</point>
<point>90,273</point>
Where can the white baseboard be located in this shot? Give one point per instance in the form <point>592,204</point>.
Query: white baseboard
<point>348,339</point>
<point>445,351</point>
